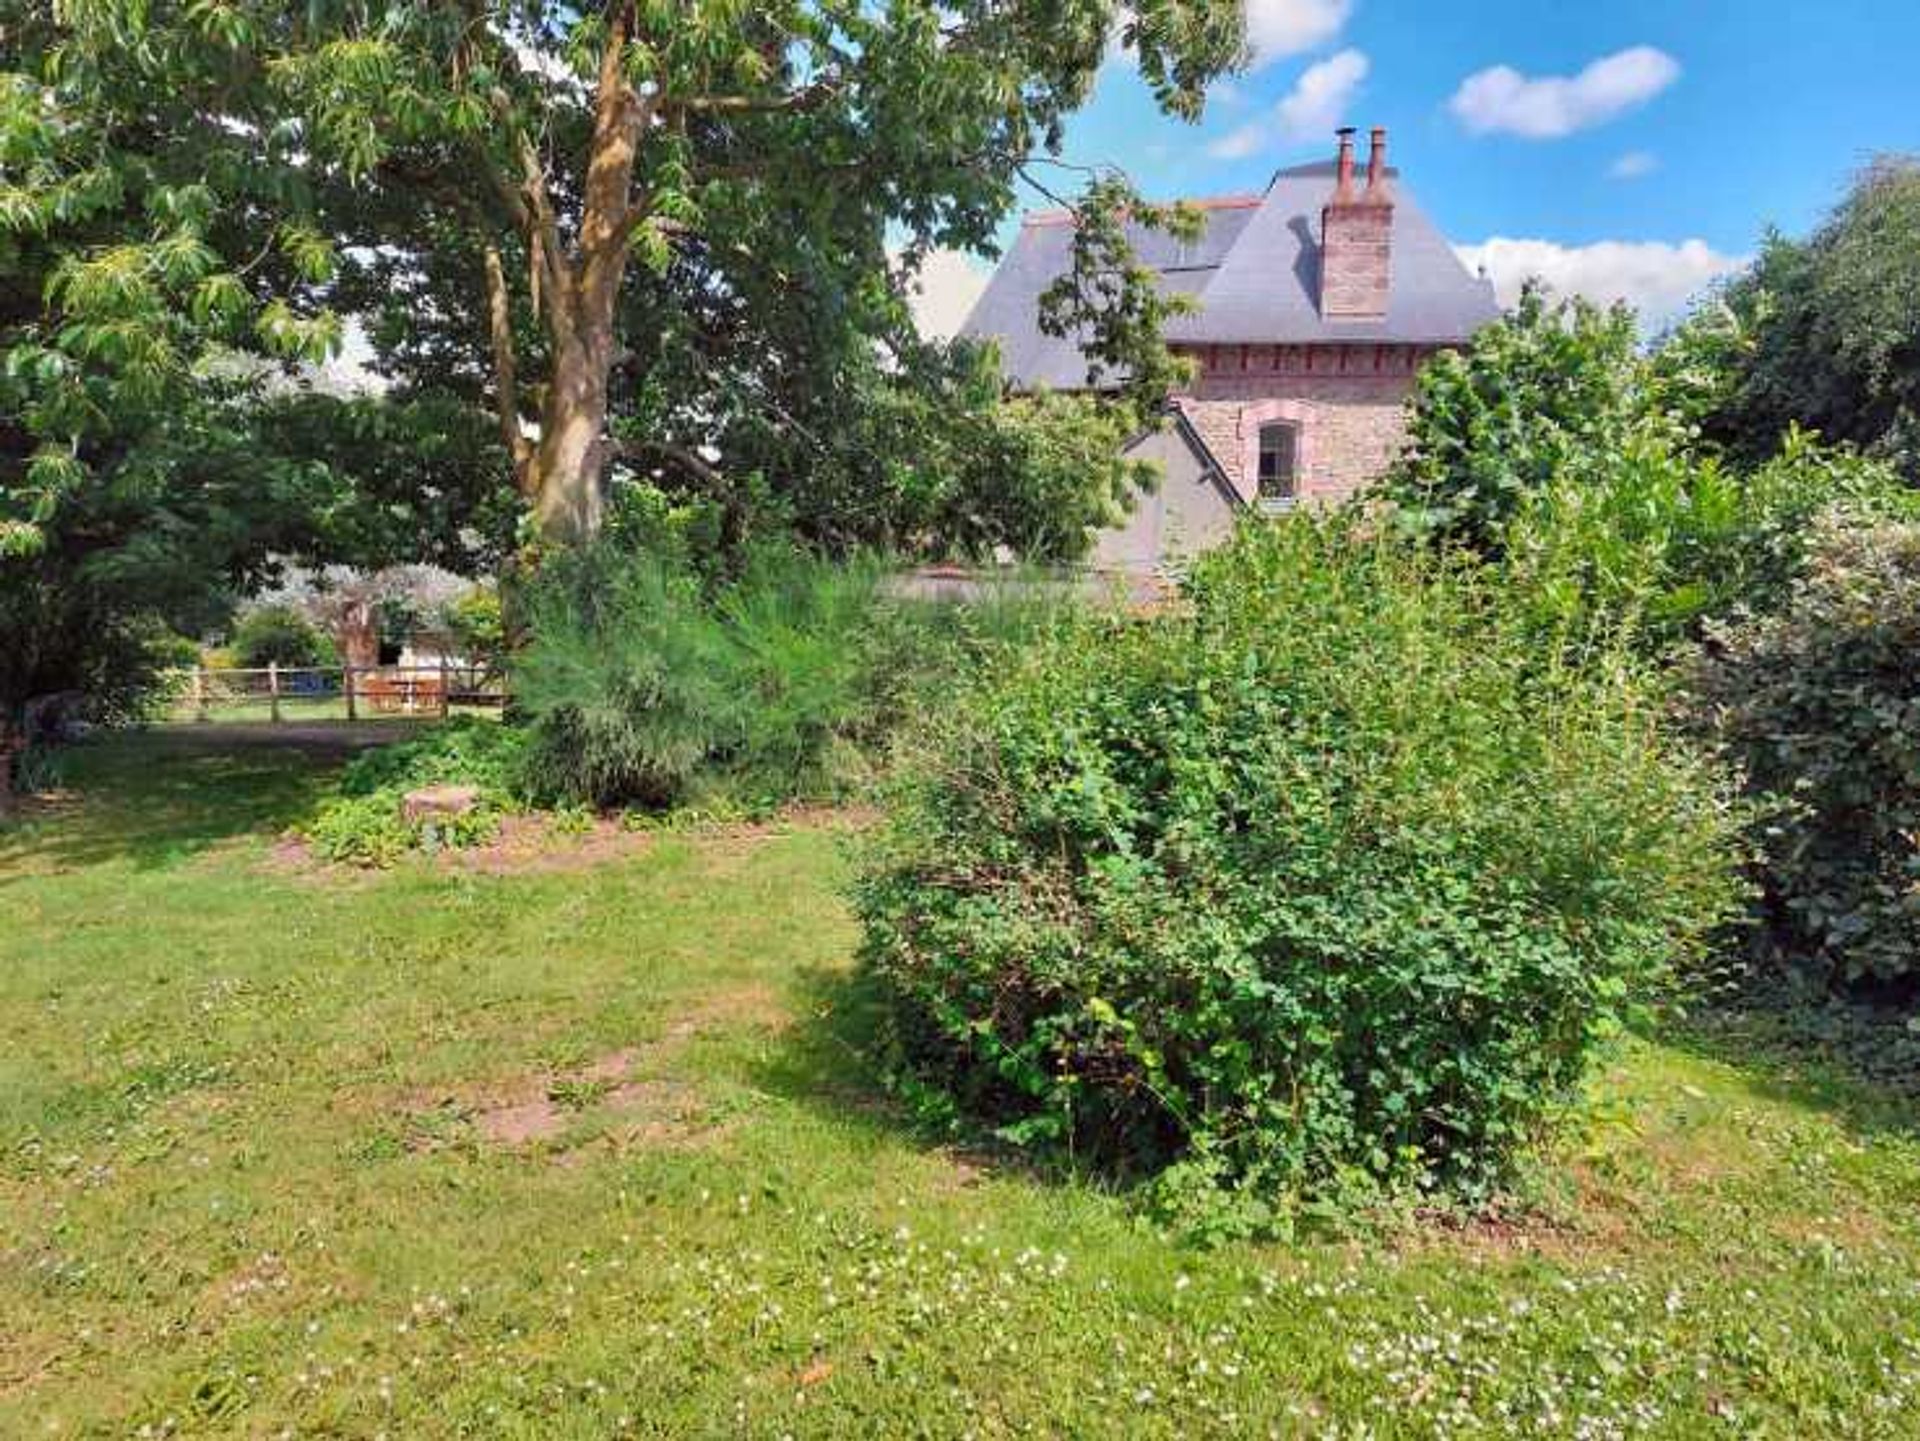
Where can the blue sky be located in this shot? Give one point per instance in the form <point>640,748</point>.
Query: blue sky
<point>1632,148</point>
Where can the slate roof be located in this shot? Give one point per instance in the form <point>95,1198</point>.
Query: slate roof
<point>1256,271</point>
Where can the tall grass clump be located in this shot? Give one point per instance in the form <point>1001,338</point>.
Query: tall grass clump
<point>626,683</point>
<point>645,682</point>
<point>1324,883</point>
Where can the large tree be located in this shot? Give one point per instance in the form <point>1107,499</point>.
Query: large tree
<point>1824,332</point>
<point>159,299</point>
<point>586,204</point>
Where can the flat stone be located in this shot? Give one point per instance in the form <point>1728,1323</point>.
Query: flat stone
<point>439,801</point>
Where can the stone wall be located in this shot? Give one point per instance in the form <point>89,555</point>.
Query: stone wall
<point>1348,401</point>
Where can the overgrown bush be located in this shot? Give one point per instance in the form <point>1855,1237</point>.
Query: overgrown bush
<point>627,684</point>
<point>1819,702</point>
<point>1558,450</point>
<point>1490,428</point>
<point>1648,540</point>
<point>645,683</point>
<point>279,635</point>
<point>364,824</point>
<point>1328,885</point>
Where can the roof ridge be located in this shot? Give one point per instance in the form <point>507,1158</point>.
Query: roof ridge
<point>1236,200</point>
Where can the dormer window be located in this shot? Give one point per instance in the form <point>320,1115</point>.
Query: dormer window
<point>1279,461</point>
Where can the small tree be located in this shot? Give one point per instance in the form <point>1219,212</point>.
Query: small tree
<point>279,635</point>
<point>1538,393</point>
<point>1832,328</point>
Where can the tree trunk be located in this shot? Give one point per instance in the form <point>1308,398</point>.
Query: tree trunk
<point>358,636</point>
<point>577,298</point>
<point>565,471</point>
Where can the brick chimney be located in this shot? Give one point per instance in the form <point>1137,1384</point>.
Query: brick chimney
<point>1356,237</point>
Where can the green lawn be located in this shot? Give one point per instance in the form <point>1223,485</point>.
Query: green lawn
<point>588,1152</point>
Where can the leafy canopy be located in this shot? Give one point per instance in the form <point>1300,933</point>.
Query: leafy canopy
<point>1826,330</point>
<point>664,239</point>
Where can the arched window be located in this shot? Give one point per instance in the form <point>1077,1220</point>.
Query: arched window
<point>1279,460</point>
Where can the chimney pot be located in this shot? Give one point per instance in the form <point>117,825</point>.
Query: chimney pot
<point>1356,238</point>
<point>1377,190</point>
<point>1343,184</point>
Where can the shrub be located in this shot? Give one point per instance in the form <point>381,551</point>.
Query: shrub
<point>1492,426</point>
<point>1819,702</point>
<point>1326,885</point>
<point>803,643</point>
<point>642,683</point>
<point>279,635</point>
<point>1644,538</point>
<point>478,626</point>
<point>363,823</point>
<point>627,683</point>
<point>465,750</point>
<point>1556,448</point>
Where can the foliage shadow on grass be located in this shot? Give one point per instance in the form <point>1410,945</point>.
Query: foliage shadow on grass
<point>825,1063</point>
<point>1781,1061</point>
<point>155,798</point>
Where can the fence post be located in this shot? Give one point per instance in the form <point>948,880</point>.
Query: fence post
<point>445,687</point>
<point>200,693</point>
<point>273,690</point>
<point>346,684</point>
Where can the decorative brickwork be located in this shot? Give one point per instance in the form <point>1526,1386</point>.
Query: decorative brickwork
<point>1356,239</point>
<point>1349,402</point>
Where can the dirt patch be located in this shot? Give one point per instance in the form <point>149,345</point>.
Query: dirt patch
<point>653,1112</point>
<point>536,845</point>
<point>515,1123</point>
<point>533,845</point>
<point>630,1108</point>
<point>1498,1235</point>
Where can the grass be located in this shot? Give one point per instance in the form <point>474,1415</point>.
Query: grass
<point>590,1152</point>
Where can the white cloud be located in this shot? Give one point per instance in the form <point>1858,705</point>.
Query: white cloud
<point>1633,165</point>
<point>1226,93</point>
<point>1503,100</point>
<point>949,283</point>
<point>1315,105</point>
<point>1655,278</point>
<point>1318,100</point>
<point>1239,143</point>
<point>1278,28</point>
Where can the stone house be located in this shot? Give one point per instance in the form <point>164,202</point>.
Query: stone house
<point>1317,301</point>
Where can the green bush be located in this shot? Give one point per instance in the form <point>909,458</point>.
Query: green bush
<point>1556,448</point>
<point>1492,426</point>
<point>1819,702</point>
<point>478,626</point>
<point>628,684</point>
<point>279,635</point>
<point>1650,541</point>
<point>1326,885</point>
<point>363,823</point>
<point>644,683</point>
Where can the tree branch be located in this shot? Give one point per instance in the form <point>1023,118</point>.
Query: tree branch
<point>679,454</point>
<point>804,98</point>
<point>505,375</point>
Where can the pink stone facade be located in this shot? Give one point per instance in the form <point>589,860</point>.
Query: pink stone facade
<point>1349,402</point>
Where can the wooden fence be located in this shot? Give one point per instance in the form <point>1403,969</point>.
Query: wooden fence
<point>364,692</point>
